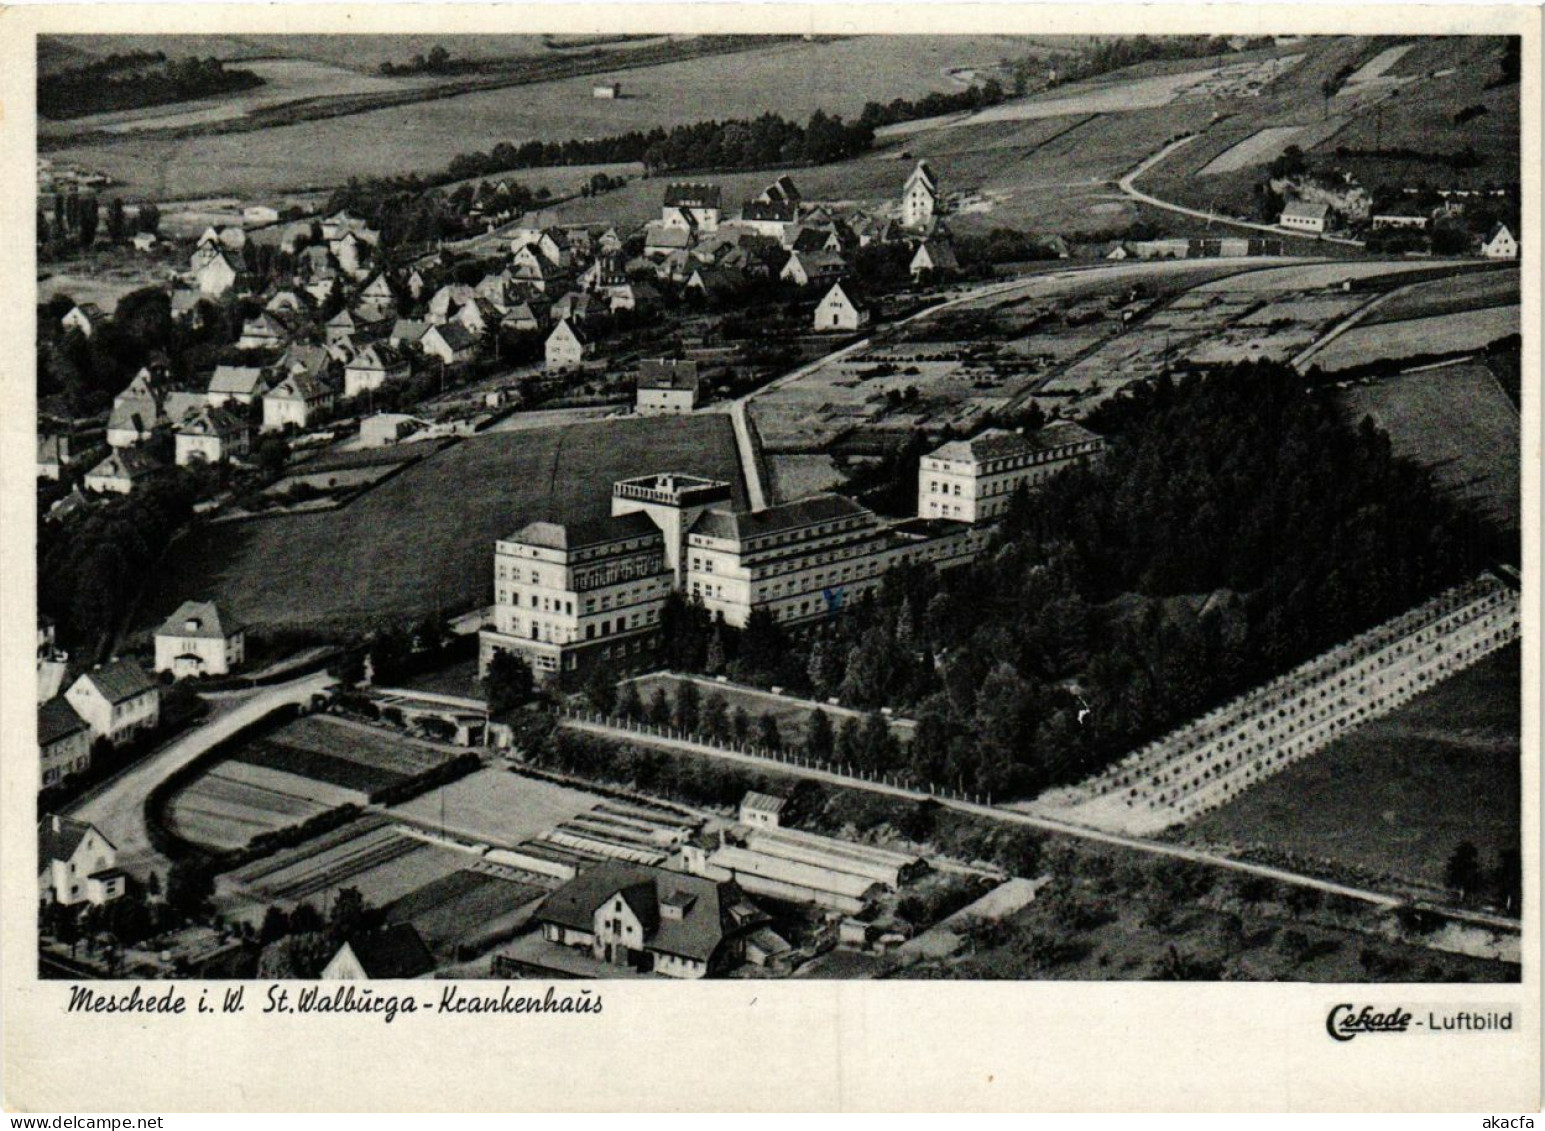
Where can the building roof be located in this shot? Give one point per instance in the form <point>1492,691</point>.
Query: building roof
<point>245,380</point>
<point>777,211</point>
<point>587,532</point>
<point>397,951</point>
<point>133,413</point>
<point>298,387</point>
<point>211,422</point>
<point>691,194</point>
<point>1306,210</point>
<point>1496,230</point>
<point>709,909</point>
<point>658,235</point>
<point>125,463</point>
<point>849,291</point>
<point>57,720</point>
<point>998,443</point>
<point>377,355</point>
<point>454,335</point>
<point>940,253</point>
<point>782,189</point>
<point>408,330</point>
<point>59,837</point>
<point>119,681</point>
<point>763,802</point>
<point>743,525</point>
<point>200,619</point>
<point>660,373</point>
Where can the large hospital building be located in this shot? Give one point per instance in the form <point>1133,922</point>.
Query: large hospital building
<point>568,596</point>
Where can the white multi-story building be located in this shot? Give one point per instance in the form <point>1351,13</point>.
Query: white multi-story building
<point>920,197</point>
<point>972,480</point>
<point>568,596</point>
<point>198,640</point>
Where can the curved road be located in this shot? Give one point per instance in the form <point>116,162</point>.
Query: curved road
<point>117,808</point>
<point>1126,185</point>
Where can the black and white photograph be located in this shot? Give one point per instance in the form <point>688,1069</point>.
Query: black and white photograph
<point>763,507</point>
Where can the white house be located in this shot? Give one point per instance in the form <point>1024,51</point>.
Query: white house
<point>211,435</point>
<point>64,742</point>
<point>811,268</point>
<point>452,343</point>
<point>1305,216</point>
<point>117,700</point>
<point>76,863</point>
<point>919,197</point>
<point>85,317</point>
<point>694,207</point>
<point>666,388</point>
<point>566,346</point>
<point>198,640</point>
<point>299,399</point>
<point>841,309</point>
<point>218,275</point>
<point>372,367</point>
<point>762,810</point>
<point>934,259</point>
<point>120,471</point>
<point>1500,243</point>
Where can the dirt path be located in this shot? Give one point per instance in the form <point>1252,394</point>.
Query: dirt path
<point>118,809</point>
<point>1126,184</point>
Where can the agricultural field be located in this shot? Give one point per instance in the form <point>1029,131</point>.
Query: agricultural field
<point>1474,291</point>
<point>383,863</point>
<point>495,806</point>
<point>400,552</point>
<point>302,769</point>
<point>1401,792</point>
<point>458,908</point>
<point>1412,337</point>
<point>1457,421</point>
<point>790,78</point>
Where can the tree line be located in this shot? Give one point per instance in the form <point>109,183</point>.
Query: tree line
<point>135,79</point>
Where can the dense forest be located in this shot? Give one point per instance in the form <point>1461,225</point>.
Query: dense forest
<point>135,79</point>
<point>1236,528</point>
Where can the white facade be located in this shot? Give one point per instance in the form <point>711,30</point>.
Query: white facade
<point>919,198</point>
<point>1501,244</point>
<point>972,481</point>
<point>114,717</point>
<point>839,311</point>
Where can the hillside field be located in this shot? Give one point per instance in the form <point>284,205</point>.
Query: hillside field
<point>424,541</point>
<point>1401,792</point>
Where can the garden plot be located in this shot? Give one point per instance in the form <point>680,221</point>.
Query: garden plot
<point>449,910</point>
<point>236,801</point>
<point>495,806</point>
<point>1309,276</point>
<point>1473,291</point>
<point>1413,337</point>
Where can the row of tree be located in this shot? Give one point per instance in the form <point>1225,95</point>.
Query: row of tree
<point>141,78</point>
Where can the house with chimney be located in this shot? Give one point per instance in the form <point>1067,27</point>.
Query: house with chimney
<point>117,700</point>
<point>77,864</point>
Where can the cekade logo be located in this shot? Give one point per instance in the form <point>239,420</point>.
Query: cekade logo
<point>1345,1021</point>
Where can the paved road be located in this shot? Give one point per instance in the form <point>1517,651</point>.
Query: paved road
<point>1012,817</point>
<point>118,808</point>
<point>1126,185</point>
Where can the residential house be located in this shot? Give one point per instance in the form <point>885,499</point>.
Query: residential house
<point>85,317</point>
<point>131,421</point>
<point>1305,216</point>
<point>298,399</point>
<point>934,259</point>
<point>241,384</point>
<point>524,317</point>
<point>843,308</point>
<point>76,863</point>
<point>289,301</point>
<point>257,215</point>
<point>117,700</point>
<point>64,742</point>
<point>211,435</point>
<point>567,346</point>
<point>219,275</point>
<point>373,366</point>
<point>651,919</point>
<point>812,268</point>
<point>342,326</point>
<point>479,316</point>
<point>334,226</point>
<point>121,471</point>
<point>393,952</point>
<point>609,242</point>
<point>661,239</point>
<point>920,197</point>
<point>1500,243</point>
<point>378,295</point>
<point>405,332</point>
<point>144,241</point>
<point>452,343</point>
<point>578,307</point>
<point>627,295</point>
<point>352,253</point>
<point>446,301</point>
<point>691,206</point>
<point>197,640</point>
<point>268,330</point>
<point>781,191</point>
<point>666,388</point>
<point>716,284</point>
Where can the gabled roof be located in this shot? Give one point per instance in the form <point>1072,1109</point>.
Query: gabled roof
<point>205,620</point>
<point>776,211</point>
<point>377,355</point>
<point>119,681</point>
<point>393,952</point>
<point>744,525</point>
<point>660,236</point>
<point>59,837</point>
<point>939,253</point>
<point>1306,210</point>
<point>141,415</point>
<point>211,422</point>
<point>243,380</point>
<point>587,532</point>
<point>454,335</point>
<point>923,173</point>
<point>125,463</point>
<point>692,194</point>
<point>763,802</point>
<point>1496,230</point>
<point>408,330</point>
<point>709,909</point>
<point>661,373</point>
<point>848,290</point>
<point>781,190</point>
<point>298,387</point>
<point>574,331</point>
<point>57,720</point>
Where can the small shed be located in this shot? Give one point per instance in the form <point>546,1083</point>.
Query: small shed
<point>762,809</point>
